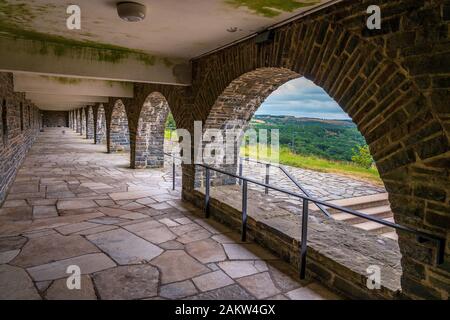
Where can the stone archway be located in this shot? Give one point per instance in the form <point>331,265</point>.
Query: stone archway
<point>119,137</point>
<point>401,119</point>
<point>149,148</point>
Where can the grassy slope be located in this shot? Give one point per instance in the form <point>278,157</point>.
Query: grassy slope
<point>313,163</point>
<point>319,164</point>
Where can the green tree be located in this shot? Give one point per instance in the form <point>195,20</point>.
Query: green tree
<point>361,156</point>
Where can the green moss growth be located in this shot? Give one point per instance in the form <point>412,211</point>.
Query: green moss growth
<point>15,17</point>
<point>63,80</point>
<point>148,60</point>
<point>167,62</point>
<point>271,8</point>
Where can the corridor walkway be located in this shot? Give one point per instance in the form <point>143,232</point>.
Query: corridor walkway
<point>131,236</point>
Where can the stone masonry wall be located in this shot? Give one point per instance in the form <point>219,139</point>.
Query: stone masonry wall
<point>89,123</point>
<point>17,133</point>
<point>55,118</point>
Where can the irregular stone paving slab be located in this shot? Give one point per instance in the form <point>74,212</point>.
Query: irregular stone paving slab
<point>16,284</point>
<point>183,220</point>
<point>283,276</point>
<point>213,226</point>
<point>125,247</point>
<point>168,222</point>
<point>213,280</point>
<point>114,212</point>
<point>260,285</point>
<point>206,251</point>
<point>160,206</point>
<point>278,297</point>
<point>96,230</point>
<point>132,206</point>
<point>42,285</point>
<point>142,226</point>
<point>75,227</point>
<point>75,204</point>
<point>53,247</point>
<point>88,263</point>
<point>39,233</point>
<point>178,290</point>
<point>238,269</point>
<point>44,212</point>
<point>157,235</point>
<point>312,291</point>
<point>233,292</point>
<point>14,203</point>
<point>7,256</point>
<point>127,282</point>
<point>131,195</point>
<point>171,245</point>
<point>246,251</point>
<point>59,290</point>
<point>134,216</point>
<point>16,213</point>
<point>12,243</point>
<point>176,265</point>
<point>107,220</point>
<point>145,201</point>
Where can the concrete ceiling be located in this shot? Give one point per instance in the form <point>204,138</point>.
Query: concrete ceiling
<point>157,49</point>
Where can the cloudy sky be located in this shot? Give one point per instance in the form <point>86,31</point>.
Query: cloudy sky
<point>302,98</point>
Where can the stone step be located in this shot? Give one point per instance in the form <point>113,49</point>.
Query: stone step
<point>359,203</point>
<point>378,212</point>
<point>391,235</point>
<point>375,227</point>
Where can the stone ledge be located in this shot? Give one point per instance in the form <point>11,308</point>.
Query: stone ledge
<point>338,254</point>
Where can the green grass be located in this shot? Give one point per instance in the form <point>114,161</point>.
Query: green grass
<point>167,134</point>
<point>286,157</point>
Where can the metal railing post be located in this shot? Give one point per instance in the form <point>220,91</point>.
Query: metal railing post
<point>240,170</point>
<point>173,172</point>
<point>207,183</point>
<point>244,211</point>
<point>267,177</point>
<point>304,239</point>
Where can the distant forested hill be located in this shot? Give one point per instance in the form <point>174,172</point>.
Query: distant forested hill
<point>329,139</point>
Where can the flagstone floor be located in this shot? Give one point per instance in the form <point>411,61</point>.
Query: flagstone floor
<point>72,205</point>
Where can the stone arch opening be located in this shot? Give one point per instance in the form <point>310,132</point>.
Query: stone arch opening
<point>119,137</point>
<point>397,124</point>
<point>100,125</point>
<point>149,149</point>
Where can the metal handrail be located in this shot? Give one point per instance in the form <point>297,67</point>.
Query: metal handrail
<point>288,174</point>
<point>421,236</point>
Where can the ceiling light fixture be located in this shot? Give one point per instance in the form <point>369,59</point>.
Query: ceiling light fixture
<point>131,11</point>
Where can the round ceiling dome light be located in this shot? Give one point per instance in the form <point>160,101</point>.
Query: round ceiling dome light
<point>131,11</point>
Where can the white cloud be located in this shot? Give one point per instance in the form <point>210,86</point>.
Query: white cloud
<point>302,98</point>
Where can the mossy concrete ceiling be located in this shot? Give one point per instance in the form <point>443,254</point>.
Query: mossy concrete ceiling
<point>172,28</point>
<point>53,64</point>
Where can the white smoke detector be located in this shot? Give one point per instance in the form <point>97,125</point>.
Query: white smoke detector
<point>131,11</point>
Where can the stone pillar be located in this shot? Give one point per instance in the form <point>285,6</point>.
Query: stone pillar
<point>77,121</point>
<point>147,144</point>
<point>119,133</point>
<point>89,123</point>
<point>100,136</point>
<point>83,121</point>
